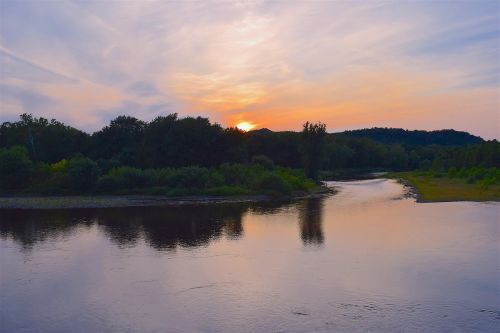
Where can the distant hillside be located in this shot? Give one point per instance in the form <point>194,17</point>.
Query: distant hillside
<point>261,131</point>
<point>447,137</point>
<point>414,138</point>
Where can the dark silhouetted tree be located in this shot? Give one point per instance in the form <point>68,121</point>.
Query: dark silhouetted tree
<point>312,148</point>
<point>121,140</point>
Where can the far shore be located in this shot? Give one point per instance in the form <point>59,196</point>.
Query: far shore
<point>423,189</point>
<point>427,189</point>
<point>121,201</point>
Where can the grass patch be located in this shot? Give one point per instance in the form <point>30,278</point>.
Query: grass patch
<point>440,187</point>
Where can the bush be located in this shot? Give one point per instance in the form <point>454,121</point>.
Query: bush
<point>479,173</point>
<point>486,183</point>
<point>160,177</point>
<point>189,177</point>
<point>462,173</point>
<point>107,164</point>
<point>273,184</point>
<point>61,166</point>
<point>49,180</point>
<point>83,174</point>
<point>123,178</point>
<point>296,179</point>
<point>232,174</point>
<point>107,183</point>
<point>263,160</point>
<point>128,178</point>
<point>215,178</point>
<point>15,167</point>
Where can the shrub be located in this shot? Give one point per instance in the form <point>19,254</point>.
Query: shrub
<point>128,178</point>
<point>123,178</point>
<point>83,173</point>
<point>46,181</point>
<point>241,174</point>
<point>188,177</point>
<point>485,183</point>
<point>462,173</point>
<point>107,164</point>
<point>215,178</point>
<point>107,183</point>
<point>273,184</point>
<point>232,174</point>
<point>263,160</point>
<point>61,166</point>
<point>479,173</point>
<point>160,177</point>
<point>296,179</point>
<point>471,180</point>
<point>15,167</point>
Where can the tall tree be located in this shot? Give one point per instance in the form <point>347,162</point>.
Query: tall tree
<point>312,148</point>
<point>122,139</point>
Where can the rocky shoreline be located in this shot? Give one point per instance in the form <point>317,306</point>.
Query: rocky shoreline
<point>410,190</point>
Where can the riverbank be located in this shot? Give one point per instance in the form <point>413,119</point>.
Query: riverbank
<point>427,188</point>
<point>120,201</point>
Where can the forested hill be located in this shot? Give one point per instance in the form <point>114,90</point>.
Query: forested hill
<point>446,137</point>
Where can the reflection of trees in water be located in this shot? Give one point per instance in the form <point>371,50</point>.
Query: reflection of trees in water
<point>190,226</point>
<point>310,221</point>
<point>160,227</point>
<point>121,226</point>
<point>28,227</point>
<point>270,207</point>
<point>233,227</point>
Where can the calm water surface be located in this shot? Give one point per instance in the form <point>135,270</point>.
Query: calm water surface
<point>360,261</point>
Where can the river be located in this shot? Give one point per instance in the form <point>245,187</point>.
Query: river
<point>364,260</point>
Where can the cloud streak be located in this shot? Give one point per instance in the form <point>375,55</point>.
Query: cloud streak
<point>277,64</point>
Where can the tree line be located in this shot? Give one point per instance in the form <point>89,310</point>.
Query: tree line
<point>171,142</point>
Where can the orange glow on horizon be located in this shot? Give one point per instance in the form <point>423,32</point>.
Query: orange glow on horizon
<point>245,126</point>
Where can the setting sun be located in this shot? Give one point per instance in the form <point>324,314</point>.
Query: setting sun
<point>245,126</point>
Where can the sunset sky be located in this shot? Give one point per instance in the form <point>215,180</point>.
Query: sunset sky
<point>416,65</point>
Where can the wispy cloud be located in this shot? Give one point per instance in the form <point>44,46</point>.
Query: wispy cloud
<point>277,64</point>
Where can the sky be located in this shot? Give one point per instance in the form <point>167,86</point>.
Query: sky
<point>274,64</point>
